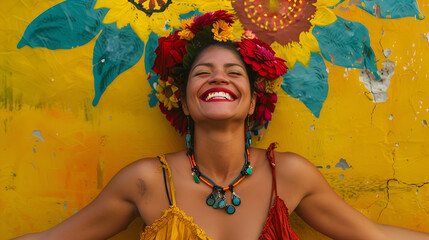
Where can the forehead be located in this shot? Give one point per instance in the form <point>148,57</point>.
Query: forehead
<point>216,54</point>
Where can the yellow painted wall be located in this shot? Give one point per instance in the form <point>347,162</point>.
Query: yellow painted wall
<point>43,180</point>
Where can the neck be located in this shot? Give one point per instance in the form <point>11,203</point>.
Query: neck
<point>219,153</point>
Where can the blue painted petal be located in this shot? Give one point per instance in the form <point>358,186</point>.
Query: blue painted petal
<point>64,26</point>
<point>347,44</point>
<point>309,85</point>
<point>115,51</point>
<point>393,8</point>
<point>149,59</point>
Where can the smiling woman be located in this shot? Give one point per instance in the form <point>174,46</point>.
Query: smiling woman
<point>218,84</point>
<point>217,89</point>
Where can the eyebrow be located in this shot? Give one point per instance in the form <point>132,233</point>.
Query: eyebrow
<point>225,65</point>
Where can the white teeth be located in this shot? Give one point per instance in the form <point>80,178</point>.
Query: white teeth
<point>223,95</point>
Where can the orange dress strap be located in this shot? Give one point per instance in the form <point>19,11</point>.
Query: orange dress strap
<point>272,158</point>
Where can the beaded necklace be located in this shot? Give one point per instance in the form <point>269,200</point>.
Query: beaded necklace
<point>217,198</point>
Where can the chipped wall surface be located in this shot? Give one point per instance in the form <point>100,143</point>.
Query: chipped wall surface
<point>368,134</point>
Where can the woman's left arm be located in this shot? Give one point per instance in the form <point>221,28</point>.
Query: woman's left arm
<point>325,211</point>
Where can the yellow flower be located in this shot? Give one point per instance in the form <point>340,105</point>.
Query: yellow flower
<point>271,86</point>
<point>167,93</point>
<point>145,17</point>
<point>222,31</point>
<point>291,21</point>
<point>186,33</point>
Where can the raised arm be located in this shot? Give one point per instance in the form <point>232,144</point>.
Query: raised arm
<point>109,213</point>
<point>326,212</point>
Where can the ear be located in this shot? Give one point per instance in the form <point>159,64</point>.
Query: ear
<point>184,107</point>
<point>252,104</point>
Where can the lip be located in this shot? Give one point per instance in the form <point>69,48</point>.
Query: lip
<point>204,95</point>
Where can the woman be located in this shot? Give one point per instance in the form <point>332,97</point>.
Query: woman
<point>231,191</point>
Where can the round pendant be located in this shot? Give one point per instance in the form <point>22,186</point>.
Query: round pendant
<point>235,199</point>
<point>230,209</point>
<point>222,203</point>
<point>210,200</point>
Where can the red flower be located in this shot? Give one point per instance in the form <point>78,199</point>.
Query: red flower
<point>176,117</point>
<point>170,51</point>
<point>209,18</point>
<point>266,106</point>
<point>261,57</point>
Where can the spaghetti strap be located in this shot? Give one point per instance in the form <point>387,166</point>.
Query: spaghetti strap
<point>164,166</point>
<point>271,157</point>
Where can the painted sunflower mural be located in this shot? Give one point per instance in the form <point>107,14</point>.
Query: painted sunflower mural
<point>303,32</point>
<point>74,107</point>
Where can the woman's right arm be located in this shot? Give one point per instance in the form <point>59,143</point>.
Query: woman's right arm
<point>108,214</point>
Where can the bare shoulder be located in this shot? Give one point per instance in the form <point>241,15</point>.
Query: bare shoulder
<point>296,178</point>
<point>294,165</point>
<point>135,179</point>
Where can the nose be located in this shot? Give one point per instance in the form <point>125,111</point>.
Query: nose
<point>218,77</point>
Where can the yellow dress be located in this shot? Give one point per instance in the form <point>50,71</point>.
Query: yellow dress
<point>174,224</point>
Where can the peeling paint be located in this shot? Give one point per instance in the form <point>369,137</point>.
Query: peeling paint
<point>424,123</point>
<point>38,134</point>
<point>376,10</point>
<point>378,88</point>
<point>342,164</point>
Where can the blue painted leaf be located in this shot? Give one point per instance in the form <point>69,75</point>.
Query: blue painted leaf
<point>190,14</point>
<point>309,85</point>
<point>392,9</point>
<point>341,1</point>
<point>115,51</point>
<point>346,43</point>
<point>149,59</point>
<point>64,26</point>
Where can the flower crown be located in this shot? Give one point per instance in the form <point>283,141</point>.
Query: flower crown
<point>176,52</point>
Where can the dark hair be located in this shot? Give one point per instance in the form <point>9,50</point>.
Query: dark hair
<point>251,74</point>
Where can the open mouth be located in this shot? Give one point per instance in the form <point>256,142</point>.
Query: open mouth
<point>218,94</point>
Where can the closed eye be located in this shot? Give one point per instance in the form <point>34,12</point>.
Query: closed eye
<point>236,73</point>
<point>201,73</point>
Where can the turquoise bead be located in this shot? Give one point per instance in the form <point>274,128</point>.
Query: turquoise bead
<point>196,178</point>
<point>249,170</point>
<point>188,140</point>
<point>216,205</point>
<point>230,209</point>
<point>210,201</point>
<point>222,204</point>
<point>236,201</point>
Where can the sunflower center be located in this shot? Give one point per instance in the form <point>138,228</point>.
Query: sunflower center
<point>291,16</point>
<point>151,6</point>
<point>168,91</point>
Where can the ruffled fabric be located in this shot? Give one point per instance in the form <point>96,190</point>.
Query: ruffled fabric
<point>174,224</point>
<point>277,225</point>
